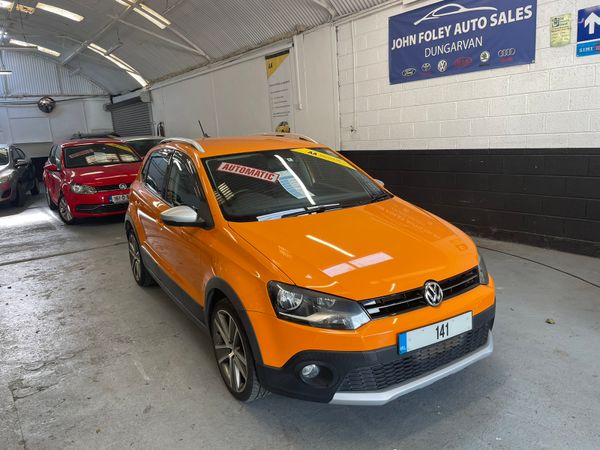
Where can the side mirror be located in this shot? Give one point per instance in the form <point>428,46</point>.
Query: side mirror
<point>21,163</point>
<point>51,167</point>
<point>182,216</point>
<point>380,183</point>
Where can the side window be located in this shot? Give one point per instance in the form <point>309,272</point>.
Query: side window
<point>20,153</point>
<point>182,185</point>
<point>155,171</point>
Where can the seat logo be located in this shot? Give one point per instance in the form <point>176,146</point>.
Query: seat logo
<point>433,293</point>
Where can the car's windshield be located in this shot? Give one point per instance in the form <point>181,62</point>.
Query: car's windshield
<point>143,146</point>
<point>282,183</point>
<point>4,156</point>
<point>99,155</point>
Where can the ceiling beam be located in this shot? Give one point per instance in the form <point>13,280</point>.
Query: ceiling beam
<point>114,20</point>
<point>164,39</point>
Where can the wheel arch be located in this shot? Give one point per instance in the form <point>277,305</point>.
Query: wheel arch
<point>217,289</point>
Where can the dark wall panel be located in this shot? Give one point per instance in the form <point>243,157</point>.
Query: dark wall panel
<point>543,197</point>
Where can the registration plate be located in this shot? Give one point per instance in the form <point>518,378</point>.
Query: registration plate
<point>437,332</point>
<point>121,198</point>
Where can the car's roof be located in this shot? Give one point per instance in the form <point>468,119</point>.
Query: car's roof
<point>140,138</point>
<point>77,142</point>
<point>243,144</point>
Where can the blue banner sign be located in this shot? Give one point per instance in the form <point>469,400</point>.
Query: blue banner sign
<point>449,38</point>
<point>588,31</point>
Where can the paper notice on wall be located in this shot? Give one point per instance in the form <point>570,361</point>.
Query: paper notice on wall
<point>560,30</point>
<point>279,79</point>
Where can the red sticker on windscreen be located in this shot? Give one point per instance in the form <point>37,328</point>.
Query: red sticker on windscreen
<point>248,172</point>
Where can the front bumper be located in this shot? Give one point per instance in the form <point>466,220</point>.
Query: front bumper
<point>96,205</point>
<point>379,376</point>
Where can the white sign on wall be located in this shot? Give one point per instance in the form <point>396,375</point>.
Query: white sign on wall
<point>279,78</point>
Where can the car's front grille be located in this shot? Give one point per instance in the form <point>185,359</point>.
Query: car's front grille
<point>415,363</point>
<point>112,187</point>
<point>102,209</point>
<point>409,300</point>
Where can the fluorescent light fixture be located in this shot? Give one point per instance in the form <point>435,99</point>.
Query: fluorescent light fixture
<point>39,47</point>
<point>48,51</point>
<point>6,5</point>
<point>156,15</point>
<point>139,79</point>
<point>119,62</point>
<point>59,11</point>
<point>5,72</point>
<point>21,43</point>
<point>155,21</point>
<point>24,9</point>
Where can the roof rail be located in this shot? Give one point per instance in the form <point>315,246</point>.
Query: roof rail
<point>192,142</point>
<point>290,136</point>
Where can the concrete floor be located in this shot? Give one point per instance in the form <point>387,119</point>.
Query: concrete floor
<point>90,360</point>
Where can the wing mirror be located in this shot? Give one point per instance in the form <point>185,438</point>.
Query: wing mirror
<point>182,216</point>
<point>380,183</point>
<point>51,167</point>
<point>21,163</point>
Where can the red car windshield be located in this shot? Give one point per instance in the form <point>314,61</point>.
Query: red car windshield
<point>99,155</point>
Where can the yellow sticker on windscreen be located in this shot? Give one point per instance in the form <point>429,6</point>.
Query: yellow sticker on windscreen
<point>324,156</point>
<point>120,146</point>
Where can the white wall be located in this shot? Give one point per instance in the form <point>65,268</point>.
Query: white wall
<point>34,131</point>
<point>552,103</point>
<point>234,100</point>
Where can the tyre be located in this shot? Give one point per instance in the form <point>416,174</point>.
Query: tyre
<point>64,211</point>
<point>20,196</point>
<point>35,190</point>
<point>140,273</point>
<point>51,204</point>
<point>233,354</point>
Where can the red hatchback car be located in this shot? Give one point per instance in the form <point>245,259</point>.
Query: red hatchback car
<point>90,178</point>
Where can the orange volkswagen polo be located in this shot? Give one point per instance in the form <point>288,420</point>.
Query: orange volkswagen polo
<point>312,280</point>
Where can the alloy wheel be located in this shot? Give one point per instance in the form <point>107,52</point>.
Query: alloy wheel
<point>134,257</point>
<point>230,351</point>
<point>64,211</point>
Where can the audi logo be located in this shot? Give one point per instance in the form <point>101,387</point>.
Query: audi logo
<point>505,52</point>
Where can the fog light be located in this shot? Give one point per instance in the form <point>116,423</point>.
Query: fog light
<point>310,371</point>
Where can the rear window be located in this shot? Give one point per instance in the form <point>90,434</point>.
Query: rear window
<point>99,155</point>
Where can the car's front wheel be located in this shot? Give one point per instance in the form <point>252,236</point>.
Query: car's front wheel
<point>19,196</point>
<point>233,354</point>
<point>51,204</point>
<point>140,273</point>
<point>64,211</point>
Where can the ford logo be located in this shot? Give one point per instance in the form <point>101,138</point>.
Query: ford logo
<point>409,72</point>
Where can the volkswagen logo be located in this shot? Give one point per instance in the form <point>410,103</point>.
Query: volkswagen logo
<point>442,65</point>
<point>409,72</point>
<point>505,52</point>
<point>433,293</point>
<point>122,186</point>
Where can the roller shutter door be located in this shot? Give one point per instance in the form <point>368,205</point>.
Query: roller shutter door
<point>132,118</point>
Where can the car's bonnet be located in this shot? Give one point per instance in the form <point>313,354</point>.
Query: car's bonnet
<point>101,175</point>
<point>363,252</point>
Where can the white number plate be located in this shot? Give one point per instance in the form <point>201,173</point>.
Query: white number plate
<point>422,337</point>
<point>122,198</point>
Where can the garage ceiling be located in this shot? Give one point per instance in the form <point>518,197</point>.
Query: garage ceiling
<point>193,33</point>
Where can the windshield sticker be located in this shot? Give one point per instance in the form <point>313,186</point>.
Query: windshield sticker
<point>248,172</point>
<point>324,156</point>
<point>87,151</point>
<point>292,185</point>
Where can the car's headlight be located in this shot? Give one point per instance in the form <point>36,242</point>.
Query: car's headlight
<point>315,308</point>
<point>6,177</point>
<point>484,277</point>
<point>82,189</point>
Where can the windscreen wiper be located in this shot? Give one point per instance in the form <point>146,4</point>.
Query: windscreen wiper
<point>313,210</point>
